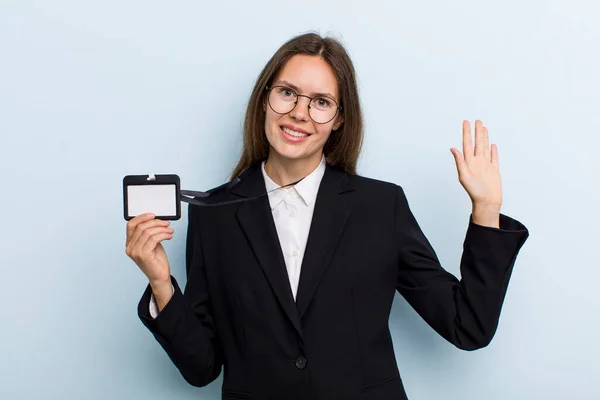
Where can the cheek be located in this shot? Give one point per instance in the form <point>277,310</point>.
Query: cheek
<point>324,132</point>
<point>270,118</point>
<point>271,123</point>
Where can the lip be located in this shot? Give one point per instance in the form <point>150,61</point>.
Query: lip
<point>294,128</point>
<point>290,138</point>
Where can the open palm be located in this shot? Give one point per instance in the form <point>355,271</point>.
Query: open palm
<point>478,170</point>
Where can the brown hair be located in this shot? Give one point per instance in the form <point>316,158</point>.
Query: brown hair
<point>343,146</point>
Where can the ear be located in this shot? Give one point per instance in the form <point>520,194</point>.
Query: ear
<point>338,123</point>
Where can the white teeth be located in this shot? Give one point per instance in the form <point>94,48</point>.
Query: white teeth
<point>293,133</point>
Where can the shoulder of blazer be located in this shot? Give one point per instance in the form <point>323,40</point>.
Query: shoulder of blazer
<point>373,187</point>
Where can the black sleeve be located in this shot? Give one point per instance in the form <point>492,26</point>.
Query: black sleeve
<point>185,327</point>
<point>464,312</point>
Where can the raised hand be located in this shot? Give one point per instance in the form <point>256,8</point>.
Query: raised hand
<point>478,171</point>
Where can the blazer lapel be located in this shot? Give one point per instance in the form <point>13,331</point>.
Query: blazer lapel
<point>256,219</point>
<point>330,216</point>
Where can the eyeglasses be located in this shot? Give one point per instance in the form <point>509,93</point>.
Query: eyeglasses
<point>283,100</point>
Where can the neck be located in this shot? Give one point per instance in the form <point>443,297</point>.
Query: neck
<point>284,171</point>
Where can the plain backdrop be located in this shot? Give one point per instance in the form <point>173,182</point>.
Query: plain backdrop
<point>91,91</point>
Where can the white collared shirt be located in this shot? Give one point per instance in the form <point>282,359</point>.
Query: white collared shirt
<point>292,210</point>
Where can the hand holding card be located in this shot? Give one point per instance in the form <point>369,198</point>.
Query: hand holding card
<point>143,245</point>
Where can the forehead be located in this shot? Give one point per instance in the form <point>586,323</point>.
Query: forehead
<point>311,74</point>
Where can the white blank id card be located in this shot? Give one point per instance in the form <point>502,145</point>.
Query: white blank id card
<point>157,199</point>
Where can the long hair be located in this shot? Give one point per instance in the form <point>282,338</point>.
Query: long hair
<point>343,146</point>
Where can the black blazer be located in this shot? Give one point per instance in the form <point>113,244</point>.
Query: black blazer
<point>333,342</point>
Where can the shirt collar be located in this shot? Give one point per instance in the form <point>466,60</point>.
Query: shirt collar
<point>307,188</point>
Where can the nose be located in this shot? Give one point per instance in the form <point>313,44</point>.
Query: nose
<point>300,112</point>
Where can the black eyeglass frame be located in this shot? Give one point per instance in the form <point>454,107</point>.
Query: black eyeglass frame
<point>269,88</point>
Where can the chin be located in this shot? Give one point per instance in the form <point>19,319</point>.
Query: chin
<point>290,154</point>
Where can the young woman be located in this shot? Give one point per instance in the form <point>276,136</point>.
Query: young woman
<point>290,292</point>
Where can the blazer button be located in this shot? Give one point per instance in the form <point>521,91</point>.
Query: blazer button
<point>301,362</point>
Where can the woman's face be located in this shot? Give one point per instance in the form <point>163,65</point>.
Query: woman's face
<point>295,136</point>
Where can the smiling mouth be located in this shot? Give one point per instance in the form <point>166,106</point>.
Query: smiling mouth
<point>294,133</point>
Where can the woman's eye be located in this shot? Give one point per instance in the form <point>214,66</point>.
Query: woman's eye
<point>286,92</point>
<point>323,103</point>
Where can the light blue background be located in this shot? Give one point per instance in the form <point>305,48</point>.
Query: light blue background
<point>91,91</point>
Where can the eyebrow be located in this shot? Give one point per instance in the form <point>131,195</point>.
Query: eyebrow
<point>292,86</point>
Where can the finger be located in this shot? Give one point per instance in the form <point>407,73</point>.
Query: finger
<point>138,249</point>
<point>486,144</point>
<point>467,143</point>
<point>495,161</point>
<point>478,138</point>
<point>139,230</point>
<point>461,165</point>
<point>154,240</point>
<point>135,221</point>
